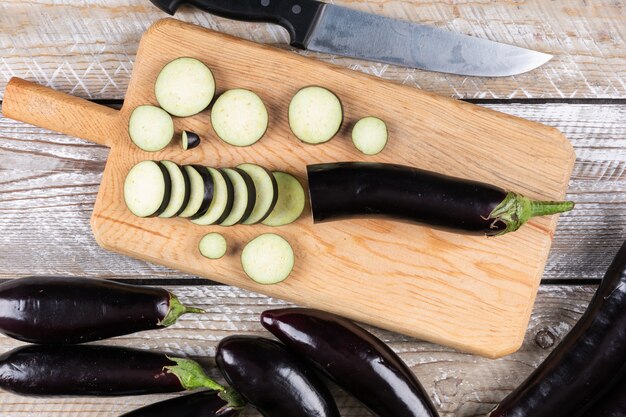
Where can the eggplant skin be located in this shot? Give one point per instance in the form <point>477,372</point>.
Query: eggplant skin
<point>199,404</point>
<point>589,357</point>
<point>355,359</point>
<point>273,380</point>
<point>613,403</point>
<point>363,189</point>
<point>68,310</point>
<point>85,370</point>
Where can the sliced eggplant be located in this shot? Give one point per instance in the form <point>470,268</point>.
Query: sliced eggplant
<point>147,189</point>
<point>369,135</point>
<point>315,115</point>
<point>150,128</point>
<point>222,201</point>
<point>239,117</point>
<point>291,200</point>
<point>201,191</point>
<point>189,140</point>
<point>244,196</point>
<point>213,246</point>
<point>179,195</point>
<point>267,259</point>
<point>184,87</point>
<point>231,197</point>
<point>266,192</point>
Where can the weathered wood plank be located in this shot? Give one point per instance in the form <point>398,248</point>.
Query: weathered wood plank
<point>459,384</point>
<point>87,47</point>
<point>48,184</point>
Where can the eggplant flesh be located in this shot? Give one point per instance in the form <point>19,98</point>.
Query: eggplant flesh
<point>273,380</point>
<point>589,357</point>
<point>86,370</point>
<point>366,189</point>
<point>199,404</point>
<point>68,310</point>
<point>355,359</point>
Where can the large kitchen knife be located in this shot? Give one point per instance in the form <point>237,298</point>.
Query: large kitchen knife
<point>324,27</point>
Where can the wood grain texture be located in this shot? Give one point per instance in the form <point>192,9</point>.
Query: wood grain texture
<point>87,47</point>
<point>461,385</point>
<point>48,185</point>
<point>431,280</point>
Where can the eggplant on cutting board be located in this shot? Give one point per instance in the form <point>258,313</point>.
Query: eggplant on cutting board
<point>341,190</point>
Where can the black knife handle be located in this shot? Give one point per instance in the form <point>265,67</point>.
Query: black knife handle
<point>297,16</point>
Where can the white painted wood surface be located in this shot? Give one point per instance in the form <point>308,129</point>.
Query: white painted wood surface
<point>87,47</point>
<point>460,385</point>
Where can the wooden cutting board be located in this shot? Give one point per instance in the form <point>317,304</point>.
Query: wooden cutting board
<point>471,293</point>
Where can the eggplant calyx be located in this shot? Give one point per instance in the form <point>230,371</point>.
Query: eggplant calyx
<point>234,400</point>
<point>176,310</point>
<point>191,375</point>
<point>515,210</point>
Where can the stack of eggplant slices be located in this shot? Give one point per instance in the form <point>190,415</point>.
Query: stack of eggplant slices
<point>249,194</point>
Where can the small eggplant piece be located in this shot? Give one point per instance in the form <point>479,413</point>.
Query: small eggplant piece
<point>589,357</point>
<point>355,359</point>
<point>68,310</point>
<point>199,404</point>
<point>189,140</point>
<point>92,370</point>
<point>272,379</point>
<point>364,189</point>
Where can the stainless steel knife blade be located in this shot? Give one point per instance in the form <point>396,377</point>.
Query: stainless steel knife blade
<point>343,31</point>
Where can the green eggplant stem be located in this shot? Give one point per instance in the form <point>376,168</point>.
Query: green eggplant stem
<point>192,376</point>
<point>515,210</point>
<point>176,310</point>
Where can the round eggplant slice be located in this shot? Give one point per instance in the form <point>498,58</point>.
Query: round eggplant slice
<point>201,190</point>
<point>179,195</point>
<point>209,191</point>
<point>231,197</point>
<point>184,87</point>
<point>267,259</point>
<point>244,196</point>
<point>213,246</point>
<point>291,200</point>
<point>266,192</point>
<point>239,117</point>
<point>147,189</point>
<point>189,140</point>
<point>222,201</point>
<point>369,135</point>
<point>315,114</point>
<point>150,128</point>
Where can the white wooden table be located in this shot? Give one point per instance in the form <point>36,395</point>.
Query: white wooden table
<point>48,182</point>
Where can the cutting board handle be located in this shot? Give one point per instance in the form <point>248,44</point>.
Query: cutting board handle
<point>44,107</point>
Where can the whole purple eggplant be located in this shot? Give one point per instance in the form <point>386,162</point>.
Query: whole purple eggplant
<point>275,381</point>
<point>92,370</point>
<point>355,359</point>
<point>199,404</point>
<point>68,310</point>
<point>364,189</point>
<point>584,363</point>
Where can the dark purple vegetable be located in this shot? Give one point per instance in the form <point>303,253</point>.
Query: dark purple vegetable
<point>355,359</point>
<point>362,189</point>
<point>199,404</point>
<point>66,310</point>
<point>611,404</point>
<point>189,140</point>
<point>100,371</point>
<point>273,380</point>
<point>587,360</point>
